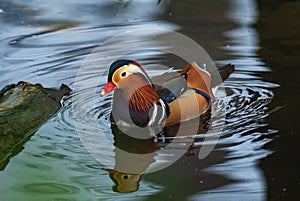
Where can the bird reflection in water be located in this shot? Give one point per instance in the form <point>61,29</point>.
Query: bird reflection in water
<point>133,156</point>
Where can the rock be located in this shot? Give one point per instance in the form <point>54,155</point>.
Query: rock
<point>23,108</point>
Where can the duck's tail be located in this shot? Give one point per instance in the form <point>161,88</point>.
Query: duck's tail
<point>221,74</point>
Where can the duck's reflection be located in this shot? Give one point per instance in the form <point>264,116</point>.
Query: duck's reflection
<point>133,156</point>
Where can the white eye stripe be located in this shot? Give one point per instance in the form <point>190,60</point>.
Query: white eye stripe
<point>135,69</point>
<point>129,69</point>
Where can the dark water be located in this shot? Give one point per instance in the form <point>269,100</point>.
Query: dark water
<point>256,155</point>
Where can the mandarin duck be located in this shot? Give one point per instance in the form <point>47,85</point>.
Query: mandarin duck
<point>167,99</point>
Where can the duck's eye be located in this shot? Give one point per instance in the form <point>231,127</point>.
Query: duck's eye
<point>125,177</point>
<point>123,74</point>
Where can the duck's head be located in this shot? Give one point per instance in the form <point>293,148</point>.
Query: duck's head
<point>125,182</point>
<point>123,73</point>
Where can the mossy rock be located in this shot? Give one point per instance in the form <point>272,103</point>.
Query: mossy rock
<point>23,108</point>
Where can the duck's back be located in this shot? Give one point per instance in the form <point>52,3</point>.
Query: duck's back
<point>169,86</point>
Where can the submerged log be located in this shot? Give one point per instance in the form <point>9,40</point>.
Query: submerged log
<point>23,108</point>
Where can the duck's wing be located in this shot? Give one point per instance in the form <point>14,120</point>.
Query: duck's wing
<point>198,79</point>
<point>169,85</point>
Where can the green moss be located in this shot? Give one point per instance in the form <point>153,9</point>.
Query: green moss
<point>23,108</point>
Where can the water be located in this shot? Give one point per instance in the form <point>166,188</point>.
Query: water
<point>44,43</point>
